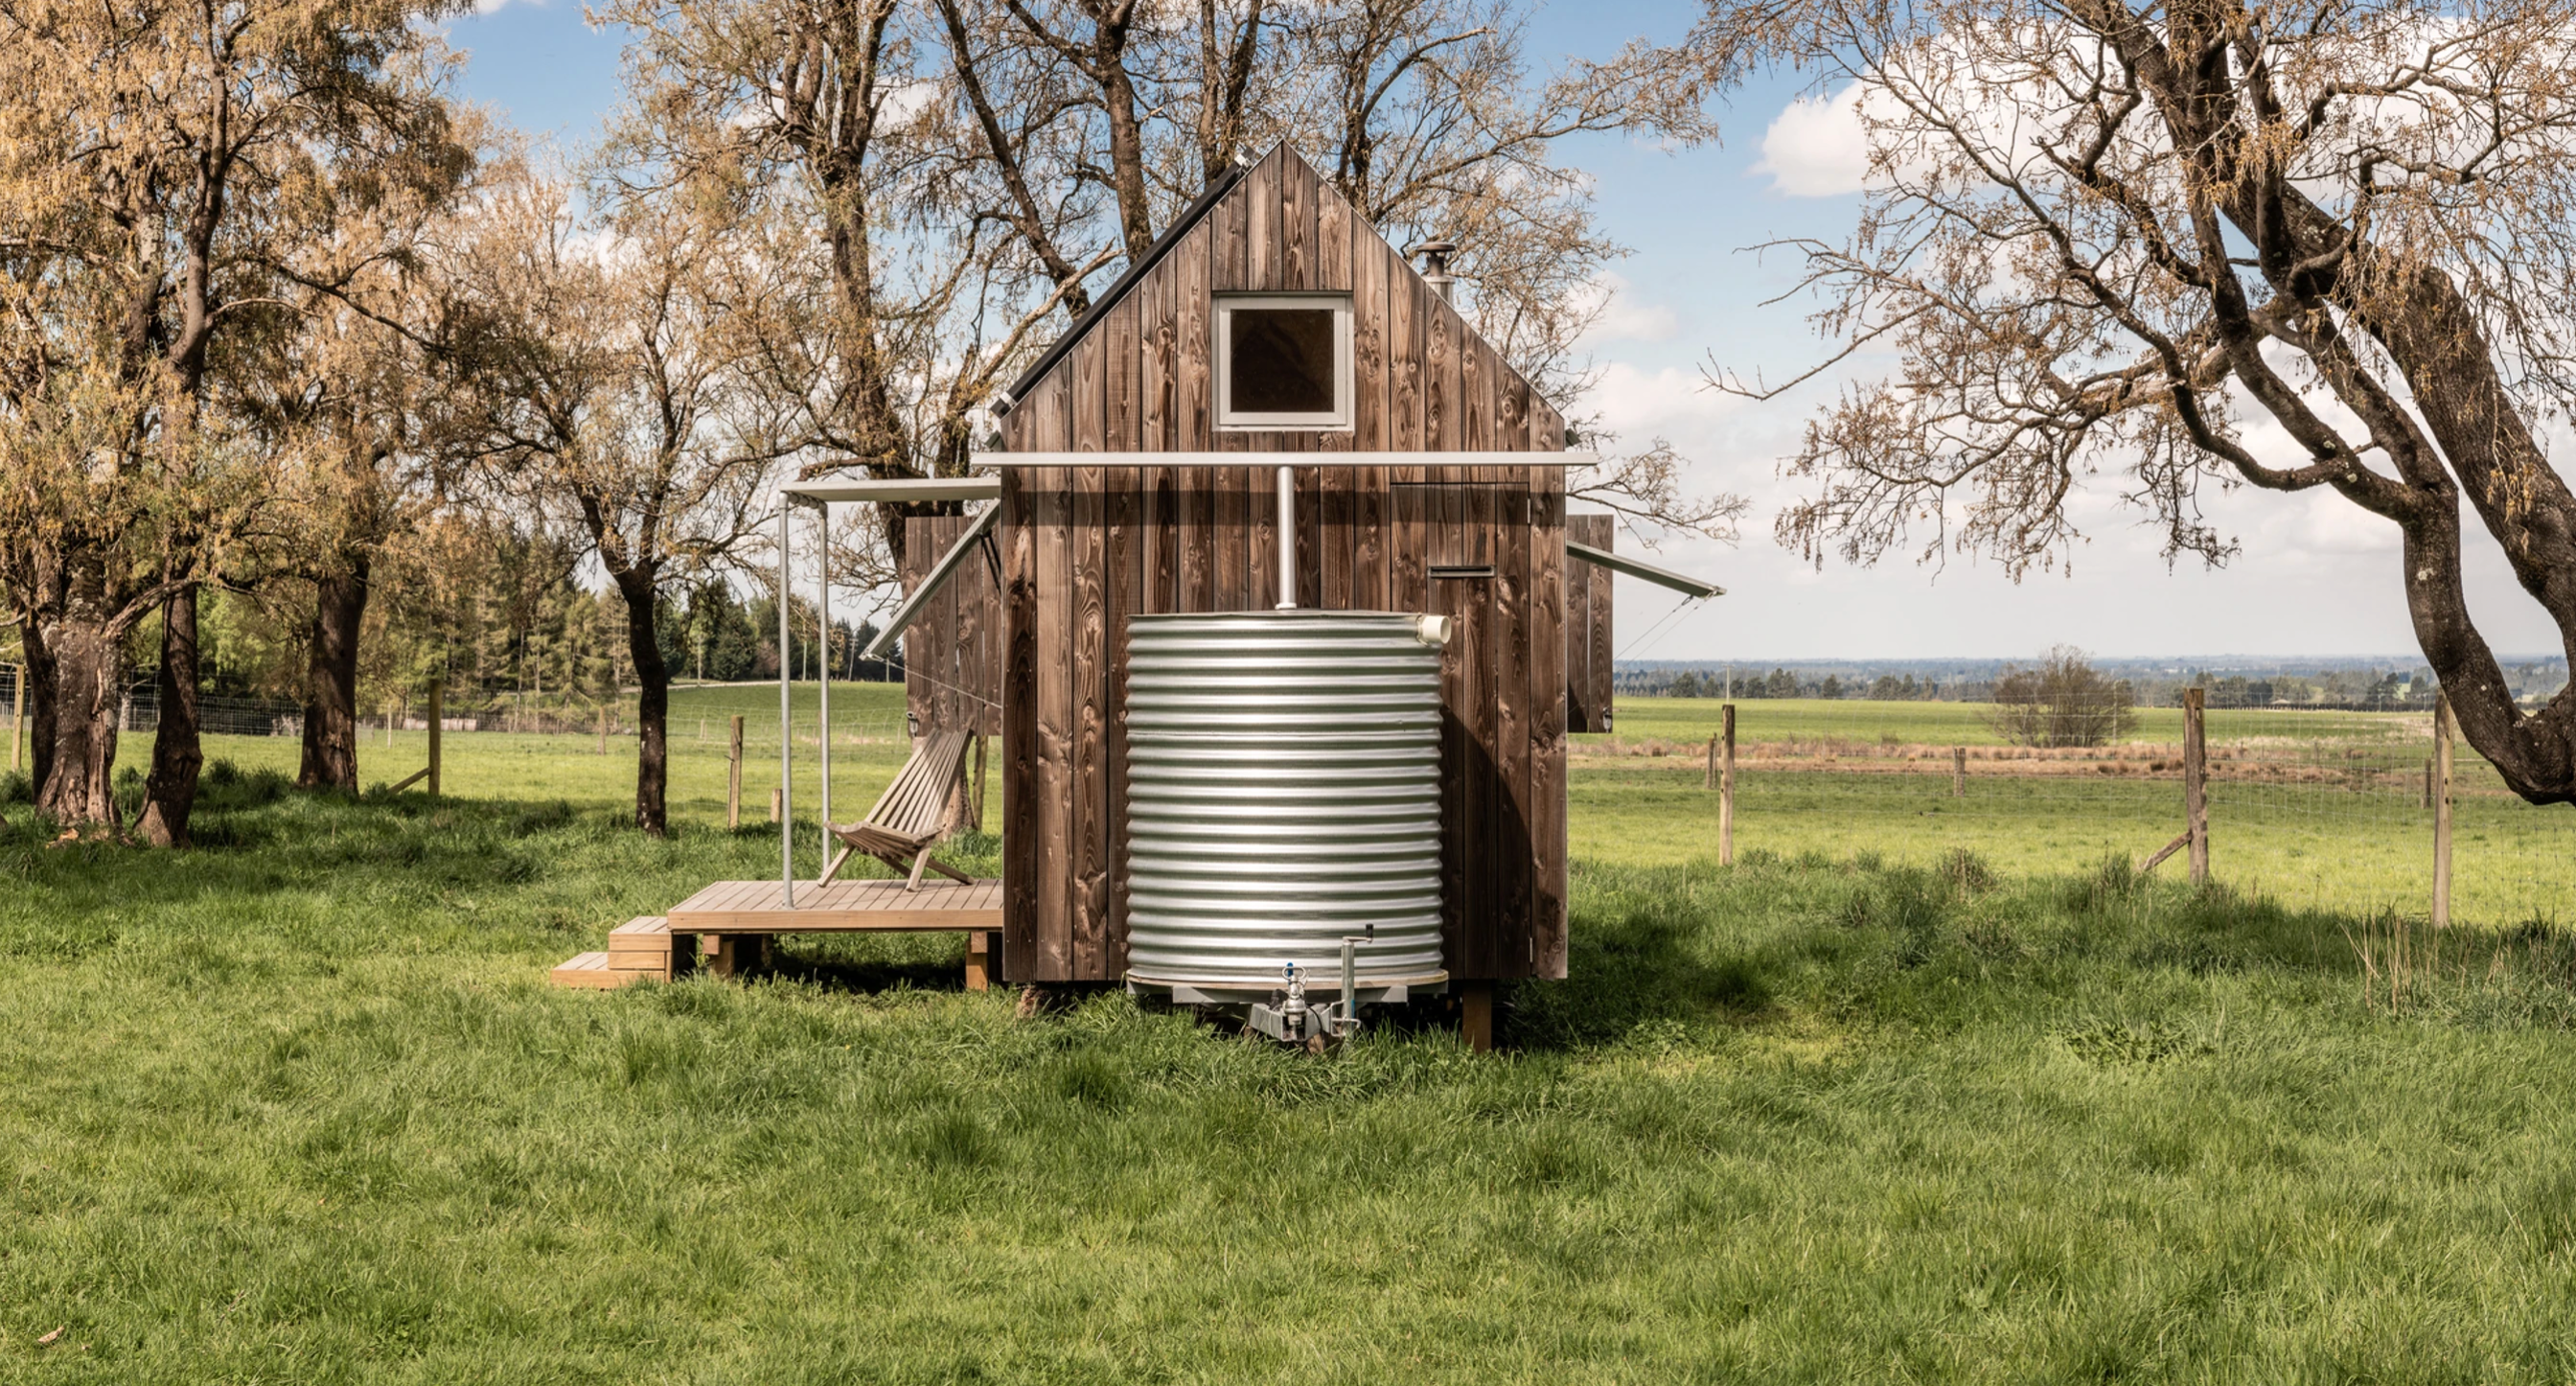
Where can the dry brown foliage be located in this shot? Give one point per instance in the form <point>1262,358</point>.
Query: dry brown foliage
<point>2102,240</point>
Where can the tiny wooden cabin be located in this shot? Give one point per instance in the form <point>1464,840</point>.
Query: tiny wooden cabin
<point>1273,274</point>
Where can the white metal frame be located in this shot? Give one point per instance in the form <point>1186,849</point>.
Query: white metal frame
<point>1339,420</point>
<point>1010,460</point>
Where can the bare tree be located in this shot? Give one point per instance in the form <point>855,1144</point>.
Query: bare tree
<point>2063,702</point>
<point>353,388</point>
<point>827,114</point>
<point>2099,238</point>
<point>976,167</point>
<point>622,402</point>
<point>162,163</point>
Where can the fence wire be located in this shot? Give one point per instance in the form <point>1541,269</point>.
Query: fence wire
<point>2323,809</point>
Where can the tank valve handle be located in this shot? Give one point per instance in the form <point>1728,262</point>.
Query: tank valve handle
<point>1431,630</point>
<point>1292,1015</point>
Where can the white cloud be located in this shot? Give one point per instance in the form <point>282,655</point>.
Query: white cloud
<point>1627,316</point>
<point>1817,146</point>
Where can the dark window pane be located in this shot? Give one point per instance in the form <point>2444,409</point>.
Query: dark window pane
<point>1282,361</point>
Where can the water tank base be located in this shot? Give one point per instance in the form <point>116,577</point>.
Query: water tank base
<point>1373,991</point>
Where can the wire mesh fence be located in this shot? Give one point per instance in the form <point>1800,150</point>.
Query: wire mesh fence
<point>2330,809</point>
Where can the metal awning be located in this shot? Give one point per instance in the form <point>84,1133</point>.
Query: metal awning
<point>897,489</point>
<point>1287,459</point>
<point>1661,577</point>
<point>931,582</point>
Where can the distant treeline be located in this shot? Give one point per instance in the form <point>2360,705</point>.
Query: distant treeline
<point>2349,689</point>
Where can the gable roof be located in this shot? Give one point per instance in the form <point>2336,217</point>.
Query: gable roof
<point>1136,272</point>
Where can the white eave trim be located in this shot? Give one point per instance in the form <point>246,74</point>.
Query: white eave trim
<point>1287,459</point>
<point>901,489</point>
<point>1661,577</point>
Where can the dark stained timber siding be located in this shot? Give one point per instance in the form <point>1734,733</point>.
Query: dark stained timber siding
<point>952,652</point>
<point>1587,628</point>
<point>1085,548</point>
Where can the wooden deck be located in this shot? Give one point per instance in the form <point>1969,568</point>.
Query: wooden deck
<point>753,907</point>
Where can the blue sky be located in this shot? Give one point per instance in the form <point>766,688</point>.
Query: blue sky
<point>2316,577</point>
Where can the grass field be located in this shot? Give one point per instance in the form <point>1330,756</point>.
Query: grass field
<point>297,1106</point>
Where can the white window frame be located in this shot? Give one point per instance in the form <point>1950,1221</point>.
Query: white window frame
<point>1339,419</point>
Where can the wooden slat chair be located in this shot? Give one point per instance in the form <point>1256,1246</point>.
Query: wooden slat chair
<point>906,820</point>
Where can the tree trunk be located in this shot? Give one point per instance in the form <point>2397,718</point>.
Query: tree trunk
<point>78,741</point>
<point>653,706</point>
<point>170,794</point>
<point>38,708</point>
<point>331,682</point>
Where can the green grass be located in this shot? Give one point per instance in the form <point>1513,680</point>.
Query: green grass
<point>297,1106</point>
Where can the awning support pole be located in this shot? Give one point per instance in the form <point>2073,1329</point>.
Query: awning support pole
<point>823,670</point>
<point>786,726</point>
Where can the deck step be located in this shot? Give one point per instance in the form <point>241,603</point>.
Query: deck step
<point>588,970</point>
<point>642,947</point>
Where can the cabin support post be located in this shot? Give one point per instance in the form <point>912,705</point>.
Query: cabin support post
<point>1476,1016</point>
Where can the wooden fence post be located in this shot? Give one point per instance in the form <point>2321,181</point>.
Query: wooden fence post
<point>777,804</point>
<point>1726,785</point>
<point>437,719</point>
<point>979,782</point>
<point>2195,780</point>
<point>2441,810</point>
<point>1958,772</point>
<point>733,778</point>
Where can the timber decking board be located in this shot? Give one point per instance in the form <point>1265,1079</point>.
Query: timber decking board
<point>752,907</point>
<point>587,970</point>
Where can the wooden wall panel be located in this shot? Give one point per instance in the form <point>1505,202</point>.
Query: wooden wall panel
<point>952,652</point>
<point>1546,675</point>
<point>1086,548</point>
<point>1587,628</point>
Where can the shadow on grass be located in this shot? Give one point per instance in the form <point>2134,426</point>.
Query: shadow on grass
<point>1703,950</point>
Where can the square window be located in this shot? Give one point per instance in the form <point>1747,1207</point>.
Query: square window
<point>1283,361</point>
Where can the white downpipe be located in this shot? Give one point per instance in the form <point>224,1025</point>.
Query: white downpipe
<point>1287,538</point>
<point>786,725</point>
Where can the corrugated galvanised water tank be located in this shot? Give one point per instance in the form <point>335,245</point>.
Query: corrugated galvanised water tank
<point>1283,792</point>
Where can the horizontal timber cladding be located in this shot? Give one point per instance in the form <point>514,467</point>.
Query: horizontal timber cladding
<point>1084,548</point>
<point>1587,628</point>
<point>952,653</point>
